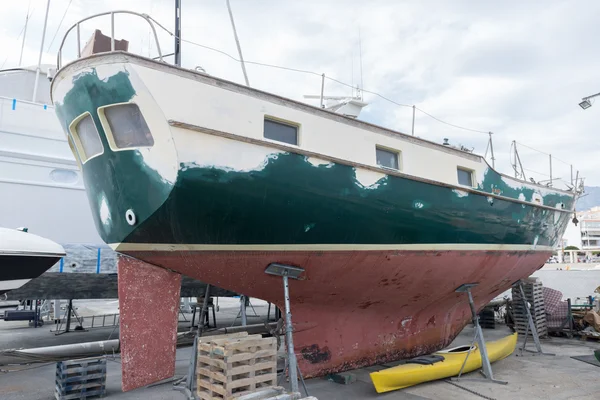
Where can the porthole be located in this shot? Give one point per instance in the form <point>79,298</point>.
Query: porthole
<point>130,217</point>
<point>64,176</point>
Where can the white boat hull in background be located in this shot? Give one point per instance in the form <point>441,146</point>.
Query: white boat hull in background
<point>40,181</point>
<point>24,256</point>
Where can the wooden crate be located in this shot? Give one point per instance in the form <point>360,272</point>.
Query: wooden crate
<point>80,379</point>
<point>234,365</point>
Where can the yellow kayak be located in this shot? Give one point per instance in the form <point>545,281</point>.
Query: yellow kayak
<point>445,364</point>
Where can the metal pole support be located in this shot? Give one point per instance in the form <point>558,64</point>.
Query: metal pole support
<point>322,89</point>
<point>188,388</point>
<point>492,150</point>
<point>550,157</point>
<point>204,307</point>
<point>485,361</point>
<point>293,364</point>
<point>69,311</point>
<point>286,272</point>
<point>243,310</point>
<point>530,325</point>
<point>413,121</point>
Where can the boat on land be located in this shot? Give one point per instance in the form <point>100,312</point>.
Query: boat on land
<point>187,173</point>
<point>37,168</point>
<point>440,365</point>
<point>24,256</point>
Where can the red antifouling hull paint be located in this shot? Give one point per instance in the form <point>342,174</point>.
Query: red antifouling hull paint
<point>357,308</point>
<point>149,306</point>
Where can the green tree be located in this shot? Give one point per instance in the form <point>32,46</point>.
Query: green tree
<point>571,248</point>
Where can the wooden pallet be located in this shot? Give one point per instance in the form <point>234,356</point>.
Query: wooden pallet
<point>234,365</point>
<point>487,318</point>
<point>534,296</point>
<point>80,379</point>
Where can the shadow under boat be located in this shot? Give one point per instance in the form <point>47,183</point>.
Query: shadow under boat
<point>89,271</point>
<point>83,286</point>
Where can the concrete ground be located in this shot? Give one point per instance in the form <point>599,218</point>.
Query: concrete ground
<point>529,377</point>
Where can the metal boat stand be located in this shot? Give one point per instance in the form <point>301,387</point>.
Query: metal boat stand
<point>244,303</point>
<point>187,383</point>
<point>530,325</point>
<point>485,361</point>
<point>288,271</point>
<point>70,310</point>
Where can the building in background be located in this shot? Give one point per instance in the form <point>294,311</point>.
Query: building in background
<point>589,226</point>
<point>585,236</point>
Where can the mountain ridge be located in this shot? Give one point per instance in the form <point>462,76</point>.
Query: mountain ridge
<point>590,198</point>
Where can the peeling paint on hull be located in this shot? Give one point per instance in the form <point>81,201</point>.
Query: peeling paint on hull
<point>359,308</point>
<point>356,307</point>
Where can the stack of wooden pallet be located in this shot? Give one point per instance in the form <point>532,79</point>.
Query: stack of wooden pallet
<point>80,379</point>
<point>535,298</point>
<point>487,318</point>
<point>231,366</point>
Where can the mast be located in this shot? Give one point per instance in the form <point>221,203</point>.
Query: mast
<point>177,52</point>
<point>24,34</point>
<point>237,42</point>
<point>37,70</point>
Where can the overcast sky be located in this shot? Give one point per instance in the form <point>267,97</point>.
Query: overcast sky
<point>516,68</point>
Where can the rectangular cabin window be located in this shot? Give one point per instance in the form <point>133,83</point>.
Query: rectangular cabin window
<point>387,158</point>
<point>465,177</point>
<point>281,132</point>
<point>88,138</point>
<point>74,150</point>
<point>128,126</point>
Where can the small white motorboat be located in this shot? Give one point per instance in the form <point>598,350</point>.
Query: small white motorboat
<point>24,256</point>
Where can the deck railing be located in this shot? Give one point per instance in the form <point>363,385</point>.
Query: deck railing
<point>76,26</point>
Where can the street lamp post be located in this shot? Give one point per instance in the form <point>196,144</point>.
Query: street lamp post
<point>585,101</point>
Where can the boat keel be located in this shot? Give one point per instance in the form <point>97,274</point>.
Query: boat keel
<point>358,308</point>
<point>149,306</point>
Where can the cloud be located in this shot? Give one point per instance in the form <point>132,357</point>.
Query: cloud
<point>515,68</point>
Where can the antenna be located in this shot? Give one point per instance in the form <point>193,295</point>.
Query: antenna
<point>361,65</point>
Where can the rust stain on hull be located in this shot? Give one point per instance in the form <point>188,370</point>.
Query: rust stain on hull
<point>315,355</point>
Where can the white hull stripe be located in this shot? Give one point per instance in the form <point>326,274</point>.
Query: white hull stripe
<point>326,247</point>
<point>13,284</point>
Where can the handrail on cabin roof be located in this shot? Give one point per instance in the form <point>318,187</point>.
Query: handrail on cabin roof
<point>112,33</point>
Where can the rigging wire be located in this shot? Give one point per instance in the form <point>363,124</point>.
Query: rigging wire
<point>531,148</point>
<point>350,86</point>
<point>536,172</point>
<point>543,152</point>
<point>24,33</point>
<point>19,37</point>
<point>316,74</point>
<point>447,123</point>
<point>59,25</point>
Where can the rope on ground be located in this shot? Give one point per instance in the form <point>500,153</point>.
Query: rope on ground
<point>469,390</point>
<point>7,371</point>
